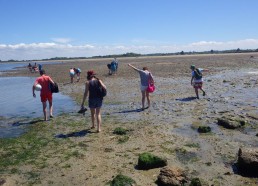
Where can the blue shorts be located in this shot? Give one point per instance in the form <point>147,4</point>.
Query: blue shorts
<point>95,102</point>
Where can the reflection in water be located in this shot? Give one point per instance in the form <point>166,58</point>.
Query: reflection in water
<point>16,102</point>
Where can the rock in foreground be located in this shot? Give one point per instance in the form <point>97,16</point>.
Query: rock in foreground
<point>172,176</point>
<point>248,162</point>
<point>230,123</point>
<point>149,161</point>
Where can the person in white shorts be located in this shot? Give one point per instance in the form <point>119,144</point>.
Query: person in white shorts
<point>145,77</point>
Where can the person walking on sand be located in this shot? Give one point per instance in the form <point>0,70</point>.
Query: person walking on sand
<point>45,93</point>
<point>72,74</point>
<point>95,100</point>
<point>145,77</point>
<point>113,67</point>
<point>197,80</point>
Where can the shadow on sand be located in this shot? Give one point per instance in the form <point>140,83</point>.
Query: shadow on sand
<point>135,110</point>
<point>186,99</point>
<point>18,123</point>
<point>74,134</point>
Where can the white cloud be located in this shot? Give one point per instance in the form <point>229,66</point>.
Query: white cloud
<point>61,40</point>
<point>24,51</point>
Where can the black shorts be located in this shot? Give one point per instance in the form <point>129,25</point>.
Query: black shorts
<point>95,102</point>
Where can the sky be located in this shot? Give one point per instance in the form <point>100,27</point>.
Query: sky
<point>40,29</point>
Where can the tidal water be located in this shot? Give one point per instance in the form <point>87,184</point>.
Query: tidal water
<point>18,107</point>
<point>17,101</point>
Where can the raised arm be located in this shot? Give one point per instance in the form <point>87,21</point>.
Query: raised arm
<point>133,67</point>
<point>205,70</point>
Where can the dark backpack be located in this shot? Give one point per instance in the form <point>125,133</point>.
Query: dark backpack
<point>53,87</point>
<point>197,74</point>
<point>101,91</point>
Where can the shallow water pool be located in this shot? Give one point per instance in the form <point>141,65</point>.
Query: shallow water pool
<point>17,103</point>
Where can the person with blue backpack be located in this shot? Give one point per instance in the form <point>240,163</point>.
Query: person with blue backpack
<point>197,80</point>
<point>113,67</point>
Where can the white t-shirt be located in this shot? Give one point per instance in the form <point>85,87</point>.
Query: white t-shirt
<point>197,80</point>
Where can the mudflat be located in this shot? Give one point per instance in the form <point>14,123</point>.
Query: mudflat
<point>65,151</point>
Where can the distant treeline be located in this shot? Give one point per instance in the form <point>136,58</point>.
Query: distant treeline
<point>131,54</point>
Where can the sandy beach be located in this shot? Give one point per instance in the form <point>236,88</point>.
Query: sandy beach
<point>65,151</point>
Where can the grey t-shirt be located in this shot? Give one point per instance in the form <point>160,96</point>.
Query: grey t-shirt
<point>144,75</point>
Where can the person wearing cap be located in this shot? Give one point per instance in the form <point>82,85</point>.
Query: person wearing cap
<point>45,93</point>
<point>95,101</point>
<point>197,80</point>
<point>145,77</point>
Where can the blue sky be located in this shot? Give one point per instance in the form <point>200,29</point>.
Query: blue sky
<point>34,29</point>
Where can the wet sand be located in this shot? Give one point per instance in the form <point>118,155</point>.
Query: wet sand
<point>168,128</point>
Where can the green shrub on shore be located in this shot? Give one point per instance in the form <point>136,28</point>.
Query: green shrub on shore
<point>120,131</point>
<point>150,161</point>
<point>121,180</point>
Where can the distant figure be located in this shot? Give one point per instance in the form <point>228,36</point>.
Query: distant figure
<point>30,67</point>
<point>95,101</point>
<point>116,62</point>
<point>109,69</point>
<point>45,93</point>
<point>77,71</point>
<point>145,77</point>
<point>40,67</point>
<point>72,74</point>
<point>35,67</point>
<point>197,80</point>
<point>113,67</point>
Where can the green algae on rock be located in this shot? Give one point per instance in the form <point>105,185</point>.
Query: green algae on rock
<point>149,161</point>
<point>121,180</point>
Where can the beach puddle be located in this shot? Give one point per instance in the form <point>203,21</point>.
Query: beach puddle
<point>19,106</point>
<point>186,157</point>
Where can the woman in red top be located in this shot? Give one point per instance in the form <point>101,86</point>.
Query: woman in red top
<point>45,93</point>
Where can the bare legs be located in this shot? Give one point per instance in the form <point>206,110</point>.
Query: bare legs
<point>44,104</point>
<point>50,108</point>
<point>96,113</point>
<point>78,77</point>
<point>145,94</point>
<point>197,94</point>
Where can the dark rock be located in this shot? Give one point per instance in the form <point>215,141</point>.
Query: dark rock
<point>195,182</point>
<point>2,181</point>
<point>204,129</point>
<point>172,176</point>
<point>149,161</point>
<point>230,123</point>
<point>248,162</point>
